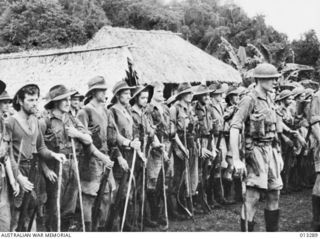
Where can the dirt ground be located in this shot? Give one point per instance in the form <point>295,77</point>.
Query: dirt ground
<point>296,215</point>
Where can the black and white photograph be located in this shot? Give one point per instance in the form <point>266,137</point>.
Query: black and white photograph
<point>159,116</point>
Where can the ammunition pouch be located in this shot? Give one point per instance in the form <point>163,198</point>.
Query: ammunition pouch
<point>257,126</point>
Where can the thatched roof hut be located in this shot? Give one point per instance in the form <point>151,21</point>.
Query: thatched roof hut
<point>156,55</point>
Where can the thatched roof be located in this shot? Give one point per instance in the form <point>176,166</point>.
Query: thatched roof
<point>164,56</point>
<point>156,55</point>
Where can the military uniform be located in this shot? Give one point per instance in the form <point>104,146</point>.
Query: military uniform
<point>31,142</point>
<point>183,124</point>
<point>314,118</point>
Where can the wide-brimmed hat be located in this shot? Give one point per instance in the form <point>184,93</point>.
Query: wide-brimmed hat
<point>140,89</point>
<point>56,93</point>
<point>77,95</point>
<point>233,90</point>
<point>220,89</point>
<point>15,101</point>
<point>5,96</point>
<point>298,91</point>
<point>200,90</point>
<point>283,95</point>
<point>120,86</point>
<point>184,88</point>
<point>97,82</point>
<point>309,92</point>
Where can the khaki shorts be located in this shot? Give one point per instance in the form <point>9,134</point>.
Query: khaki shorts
<point>268,164</point>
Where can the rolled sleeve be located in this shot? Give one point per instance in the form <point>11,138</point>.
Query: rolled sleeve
<point>244,109</point>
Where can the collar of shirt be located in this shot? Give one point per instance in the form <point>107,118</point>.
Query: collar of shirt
<point>138,110</point>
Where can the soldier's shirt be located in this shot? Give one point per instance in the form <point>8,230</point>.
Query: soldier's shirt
<point>181,116</point>
<point>252,104</point>
<point>217,112</point>
<point>159,115</point>
<point>27,137</point>
<point>123,119</point>
<point>55,134</point>
<point>204,119</point>
<point>141,124</point>
<point>100,123</point>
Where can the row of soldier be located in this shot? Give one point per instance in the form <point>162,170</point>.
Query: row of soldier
<point>141,160</point>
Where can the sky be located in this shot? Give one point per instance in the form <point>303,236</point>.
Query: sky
<point>293,17</point>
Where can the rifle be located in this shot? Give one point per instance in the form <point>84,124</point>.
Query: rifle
<point>32,177</point>
<point>143,180</point>
<point>78,181</point>
<point>97,203</point>
<point>129,189</point>
<point>164,193</point>
<point>58,197</point>
<point>187,174</point>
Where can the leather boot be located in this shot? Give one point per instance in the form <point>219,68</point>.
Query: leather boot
<point>316,213</point>
<point>250,225</point>
<point>173,208</point>
<point>272,220</point>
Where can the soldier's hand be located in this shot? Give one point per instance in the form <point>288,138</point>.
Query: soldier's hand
<point>108,163</point>
<point>72,131</point>
<point>123,164</point>
<point>59,157</point>
<point>205,153</point>
<point>16,188</point>
<point>25,184</point>
<point>186,151</point>
<point>135,144</point>
<point>51,175</point>
<point>239,167</point>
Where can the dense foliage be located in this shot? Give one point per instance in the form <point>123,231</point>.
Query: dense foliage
<point>28,24</point>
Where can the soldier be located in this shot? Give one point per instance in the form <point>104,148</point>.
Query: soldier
<point>59,127</point>
<point>143,130</point>
<point>205,141</point>
<point>263,165</point>
<point>217,110</point>
<point>8,173</point>
<point>314,120</point>
<point>26,141</point>
<point>97,119</point>
<point>122,116</point>
<point>284,100</point>
<point>185,154</point>
<point>159,115</point>
<point>232,100</point>
<point>75,103</point>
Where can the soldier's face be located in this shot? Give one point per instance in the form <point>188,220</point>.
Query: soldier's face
<point>29,104</point>
<point>288,101</point>
<point>124,97</point>
<point>205,99</point>
<point>143,99</point>
<point>64,105</point>
<point>217,97</point>
<point>188,97</point>
<point>158,94</point>
<point>101,96</point>
<point>235,99</point>
<point>4,106</point>
<point>267,84</point>
<point>75,102</point>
